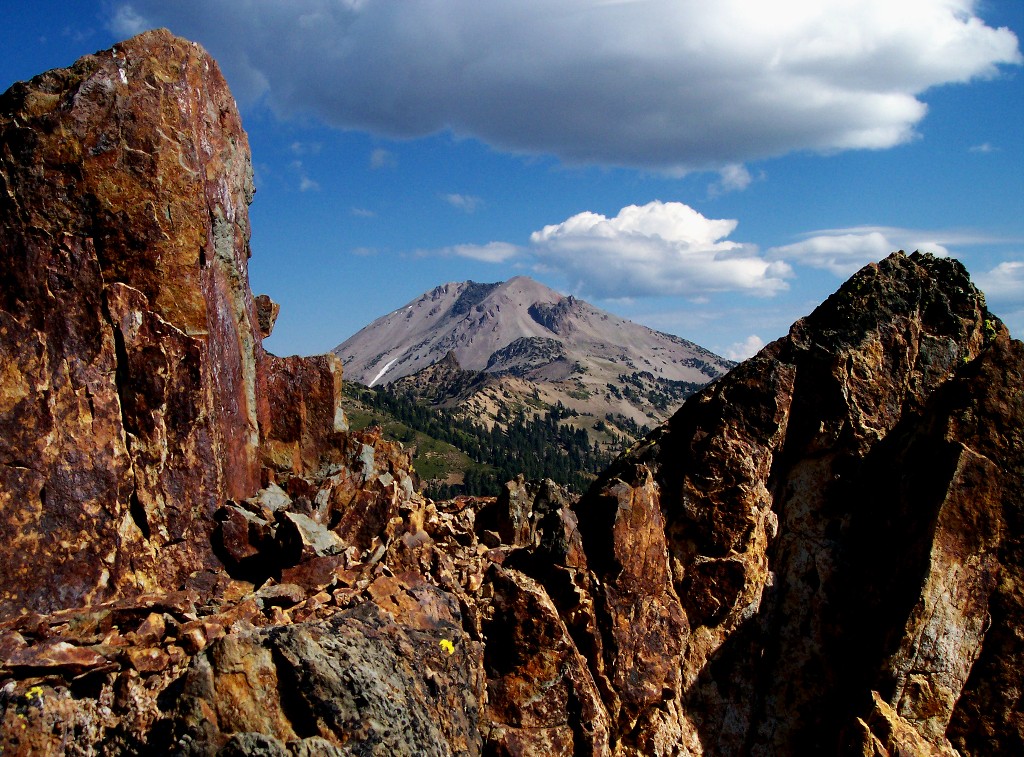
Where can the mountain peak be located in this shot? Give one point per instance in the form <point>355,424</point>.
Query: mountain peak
<point>475,320</point>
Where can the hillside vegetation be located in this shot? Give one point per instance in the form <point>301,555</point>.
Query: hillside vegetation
<point>453,454</point>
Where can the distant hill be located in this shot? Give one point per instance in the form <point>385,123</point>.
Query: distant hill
<point>492,349</point>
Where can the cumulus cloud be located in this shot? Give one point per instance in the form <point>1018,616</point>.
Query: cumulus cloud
<point>467,203</point>
<point>306,184</point>
<point>732,178</point>
<point>671,85</point>
<point>844,251</point>
<point>662,248</point>
<point>747,348</point>
<point>1004,284</point>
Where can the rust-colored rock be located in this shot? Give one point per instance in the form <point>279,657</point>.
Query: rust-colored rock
<point>266,314</point>
<point>821,553</point>
<point>837,518</point>
<point>124,247</point>
<point>133,384</point>
<point>542,700</point>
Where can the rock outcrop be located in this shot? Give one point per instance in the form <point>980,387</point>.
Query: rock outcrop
<point>820,553</point>
<point>136,396</point>
<point>830,536</point>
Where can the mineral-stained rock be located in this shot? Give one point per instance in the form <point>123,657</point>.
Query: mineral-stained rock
<point>821,553</point>
<point>365,681</point>
<point>266,314</point>
<point>835,527</point>
<point>133,384</point>
<point>541,699</point>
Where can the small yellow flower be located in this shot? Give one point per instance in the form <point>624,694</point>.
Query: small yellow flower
<point>36,692</point>
<point>447,646</point>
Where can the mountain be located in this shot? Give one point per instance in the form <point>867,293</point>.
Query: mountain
<point>531,344</point>
<point>821,552</point>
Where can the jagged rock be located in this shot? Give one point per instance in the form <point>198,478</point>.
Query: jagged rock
<point>304,538</point>
<point>831,528</point>
<point>820,553</point>
<point>541,699</point>
<point>519,509</point>
<point>266,313</point>
<point>365,681</point>
<point>300,411</point>
<point>135,396</point>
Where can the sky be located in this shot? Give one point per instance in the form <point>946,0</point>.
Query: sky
<point>711,170</point>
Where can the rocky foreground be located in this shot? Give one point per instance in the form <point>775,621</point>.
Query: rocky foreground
<point>821,553</point>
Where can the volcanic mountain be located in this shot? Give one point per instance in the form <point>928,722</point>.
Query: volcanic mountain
<point>527,339</point>
<point>820,553</point>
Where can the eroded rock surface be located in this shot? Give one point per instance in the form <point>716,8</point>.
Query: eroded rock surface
<point>836,527</point>
<point>136,396</point>
<point>821,553</point>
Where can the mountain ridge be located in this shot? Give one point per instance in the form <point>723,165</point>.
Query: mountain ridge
<point>532,346</point>
<point>475,320</point>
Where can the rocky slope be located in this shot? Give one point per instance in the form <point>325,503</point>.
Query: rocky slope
<point>820,553</point>
<point>500,346</point>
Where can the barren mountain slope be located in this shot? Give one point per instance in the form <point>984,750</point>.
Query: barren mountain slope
<point>540,345</point>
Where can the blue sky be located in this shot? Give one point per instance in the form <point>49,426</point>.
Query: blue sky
<point>713,170</point>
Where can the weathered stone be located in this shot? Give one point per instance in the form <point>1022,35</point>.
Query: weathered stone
<point>300,411</point>
<point>266,313</point>
<point>316,573</point>
<point>358,681</point>
<point>303,538</point>
<point>133,384</point>
<point>147,659</point>
<point>816,505</point>
<point>55,655</point>
<point>541,698</point>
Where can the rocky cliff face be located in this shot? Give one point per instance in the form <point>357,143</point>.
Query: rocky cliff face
<point>820,553</point>
<point>832,526</point>
<point>136,396</point>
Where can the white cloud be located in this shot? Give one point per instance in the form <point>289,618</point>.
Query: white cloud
<point>665,84</point>
<point>127,22</point>
<point>655,249</point>
<point>467,203</point>
<point>363,213</point>
<point>1004,284</point>
<point>305,148</point>
<point>381,158</point>
<point>732,178</point>
<point>844,251</point>
<point>984,148</point>
<point>492,252</point>
<point>306,184</point>
<point>747,348</point>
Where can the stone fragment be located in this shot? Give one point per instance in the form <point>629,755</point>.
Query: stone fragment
<point>536,677</point>
<point>282,595</point>
<point>55,655</point>
<point>302,538</point>
<point>147,659</point>
<point>315,573</point>
<point>266,313</point>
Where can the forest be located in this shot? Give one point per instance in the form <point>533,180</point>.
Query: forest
<point>542,446</point>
